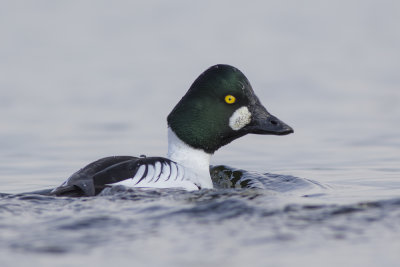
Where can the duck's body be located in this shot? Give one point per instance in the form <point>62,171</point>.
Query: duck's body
<point>219,107</point>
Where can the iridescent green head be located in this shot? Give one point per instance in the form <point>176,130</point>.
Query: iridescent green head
<point>219,107</point>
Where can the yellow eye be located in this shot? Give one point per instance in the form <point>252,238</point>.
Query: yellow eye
<point>230,99</point>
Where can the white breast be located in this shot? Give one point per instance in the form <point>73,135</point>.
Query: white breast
<point>194,161</point>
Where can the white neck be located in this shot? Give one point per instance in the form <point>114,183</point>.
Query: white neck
<point>195,160</point>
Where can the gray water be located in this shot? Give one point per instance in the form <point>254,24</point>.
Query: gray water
<point>81,80</point>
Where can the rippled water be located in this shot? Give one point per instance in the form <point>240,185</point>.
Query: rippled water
<point>226,226</point>
<point>87,79</point>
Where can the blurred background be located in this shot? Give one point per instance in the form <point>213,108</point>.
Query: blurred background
<point>81,80</point>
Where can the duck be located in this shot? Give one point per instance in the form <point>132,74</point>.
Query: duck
<point>219,107</point>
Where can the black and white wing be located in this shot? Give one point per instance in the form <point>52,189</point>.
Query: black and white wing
<point>155,172</point>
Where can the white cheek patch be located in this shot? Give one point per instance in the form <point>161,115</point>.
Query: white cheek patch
<point>240,118</point>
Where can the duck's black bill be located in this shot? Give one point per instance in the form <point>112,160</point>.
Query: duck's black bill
<point>264,123</point>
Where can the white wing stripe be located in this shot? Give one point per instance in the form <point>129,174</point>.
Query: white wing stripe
<point>139,173</point>
<point>165,172</point>
<point>160,174</point>
<point>157,172</point>
<point>150,174</point>
<point>174,171</point>
<point>181,173</point>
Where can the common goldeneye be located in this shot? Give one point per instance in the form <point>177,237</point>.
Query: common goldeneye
<point>219,107</point>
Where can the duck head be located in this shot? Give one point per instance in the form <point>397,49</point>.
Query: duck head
<point>219,107</point>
